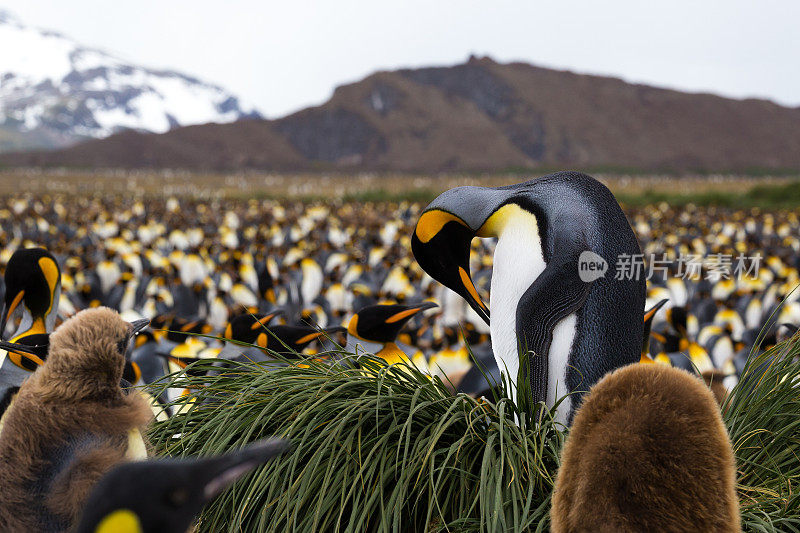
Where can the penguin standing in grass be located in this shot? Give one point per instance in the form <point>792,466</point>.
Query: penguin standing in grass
<point>382,324</point>
<point>648,451</point>
<point>165,495</point>
<point>70,423</point>
<point>33,288</point>
<point>555,296</point>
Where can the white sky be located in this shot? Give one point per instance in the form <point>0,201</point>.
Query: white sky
<point>282,56</point>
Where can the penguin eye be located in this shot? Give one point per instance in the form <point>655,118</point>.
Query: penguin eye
<point>177,497</point>
<point>122,346</point>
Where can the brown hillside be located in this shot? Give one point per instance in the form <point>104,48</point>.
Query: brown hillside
<point>480,115</point>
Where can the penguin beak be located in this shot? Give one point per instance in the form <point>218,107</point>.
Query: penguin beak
<point>648,323</point>
<point>411,311</point>
<point>266,319</point>
<point>19,348</point>
<point>441,245</point>
<point>648,315</point>
<point>219,472</point>
<point>138,325</point>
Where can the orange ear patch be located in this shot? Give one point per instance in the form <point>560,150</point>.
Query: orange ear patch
<point>432,222</point>
<point>262,340</point>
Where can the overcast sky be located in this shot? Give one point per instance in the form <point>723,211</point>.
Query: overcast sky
<point>282,56</point>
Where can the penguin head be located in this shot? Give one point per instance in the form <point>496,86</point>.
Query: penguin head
<point>91,348</point>
<point>382,323</point>
<point>33,280</point>
<point>443,235</point>
<point>250,329</point>
<point>287,340</point>
<point>441,245</point>
<point>167,494</point>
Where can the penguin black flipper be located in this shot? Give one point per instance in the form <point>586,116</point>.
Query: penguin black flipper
<point>554,295</point>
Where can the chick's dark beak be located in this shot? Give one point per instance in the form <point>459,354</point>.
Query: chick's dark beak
<point>138,325</point>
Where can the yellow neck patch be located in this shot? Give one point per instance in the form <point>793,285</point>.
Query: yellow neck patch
<point>392,354</point>
<point>120,521</point>
<point>495,224</point>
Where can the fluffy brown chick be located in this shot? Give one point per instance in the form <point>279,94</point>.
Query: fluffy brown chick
<point>70,423</point>
<point>648,451</point>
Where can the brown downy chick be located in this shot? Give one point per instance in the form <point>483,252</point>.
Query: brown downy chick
<point>648,451</point>
<point>70,424</point>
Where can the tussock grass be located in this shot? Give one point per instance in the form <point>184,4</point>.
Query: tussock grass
<point>386,448</point>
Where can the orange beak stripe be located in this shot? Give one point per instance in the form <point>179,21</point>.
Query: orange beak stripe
<point>310,337</point>
<point>261,322</point>
<point>401,315</point>
<point>465,279</point>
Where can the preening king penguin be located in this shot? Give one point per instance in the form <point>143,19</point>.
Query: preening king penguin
<point>165,495</point>
<point>554,293</point>
<point>648,451</point>
<point>70,423</point>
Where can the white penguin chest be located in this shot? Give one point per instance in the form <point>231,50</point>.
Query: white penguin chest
<point>518,262</point>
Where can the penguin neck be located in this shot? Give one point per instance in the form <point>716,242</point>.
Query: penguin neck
<point>391,353</point>
<point>30,325</point>
<point>518,261</point>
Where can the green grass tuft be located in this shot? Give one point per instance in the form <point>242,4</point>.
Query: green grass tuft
<point>380,448</point>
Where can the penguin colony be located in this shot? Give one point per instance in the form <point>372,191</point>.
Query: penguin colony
<point>297,278</point>
<point>193,265</point>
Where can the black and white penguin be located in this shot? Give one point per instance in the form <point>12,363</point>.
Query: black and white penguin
<point>165,495</point>
<point>33,288</point>
<point>382,324</point>
<point>554,292</point>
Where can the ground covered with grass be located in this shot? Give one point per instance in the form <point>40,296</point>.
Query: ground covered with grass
<point>386,448</point>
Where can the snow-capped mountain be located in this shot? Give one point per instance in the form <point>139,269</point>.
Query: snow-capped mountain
<point>54,92</point>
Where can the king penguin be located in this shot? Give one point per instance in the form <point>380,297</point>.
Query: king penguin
<point>554,293</point>
<point>382,324</point>
<point>165,495</point>
<point>33,288</point>
<point>70,423</point>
